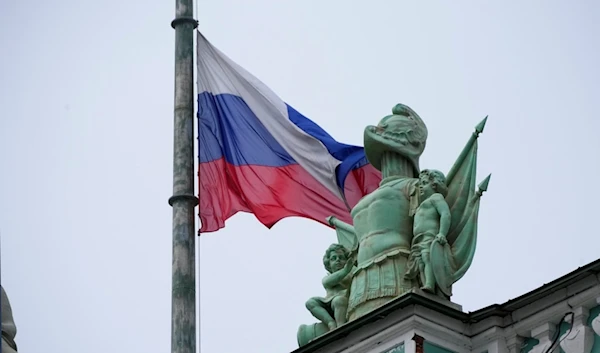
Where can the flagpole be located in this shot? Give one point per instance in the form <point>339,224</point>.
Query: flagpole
<point>183,201</point>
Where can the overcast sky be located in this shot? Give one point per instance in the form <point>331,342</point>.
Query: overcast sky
<point>86,133</point>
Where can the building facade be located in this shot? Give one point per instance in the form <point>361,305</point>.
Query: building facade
<point>562,316</point>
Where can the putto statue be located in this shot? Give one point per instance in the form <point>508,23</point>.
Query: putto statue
<point>431,222</point>
<point>418,230</point>
<point>331,310</point>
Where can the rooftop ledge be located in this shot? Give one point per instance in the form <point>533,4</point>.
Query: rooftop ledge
<point>583,284</point>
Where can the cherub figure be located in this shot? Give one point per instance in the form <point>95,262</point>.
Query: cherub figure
<point>431,222</point>
<point>332,309</point>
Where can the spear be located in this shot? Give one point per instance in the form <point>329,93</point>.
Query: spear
<point>466,151</point>
<point>483,186</point>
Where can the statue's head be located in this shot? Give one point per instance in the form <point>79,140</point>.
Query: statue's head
<point>403,132</point>
<point>432,181</point>
<point>335,257</point>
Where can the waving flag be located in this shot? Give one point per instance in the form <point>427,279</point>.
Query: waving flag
<point>260,155</point>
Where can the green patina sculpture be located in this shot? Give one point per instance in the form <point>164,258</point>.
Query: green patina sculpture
<point>431,221</point>
<point>331,310</point>
<point>418,229</point>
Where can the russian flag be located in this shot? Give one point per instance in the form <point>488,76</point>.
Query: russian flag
<point>260,155</point>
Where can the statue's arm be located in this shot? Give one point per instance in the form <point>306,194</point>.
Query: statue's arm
<point>337,277</point>
<point>337,223</point>
<point>444,211</point>
<point>345,233</point>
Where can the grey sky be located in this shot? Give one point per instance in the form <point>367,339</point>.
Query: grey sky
<point>86,99</point>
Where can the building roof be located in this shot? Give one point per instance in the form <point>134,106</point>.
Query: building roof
<point>499,310</point>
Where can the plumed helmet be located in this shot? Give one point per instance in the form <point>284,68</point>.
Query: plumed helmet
<point>403,132</point>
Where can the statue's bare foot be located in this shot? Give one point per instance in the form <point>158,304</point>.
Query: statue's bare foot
<point>427,289</point>
<point>332,326</point>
